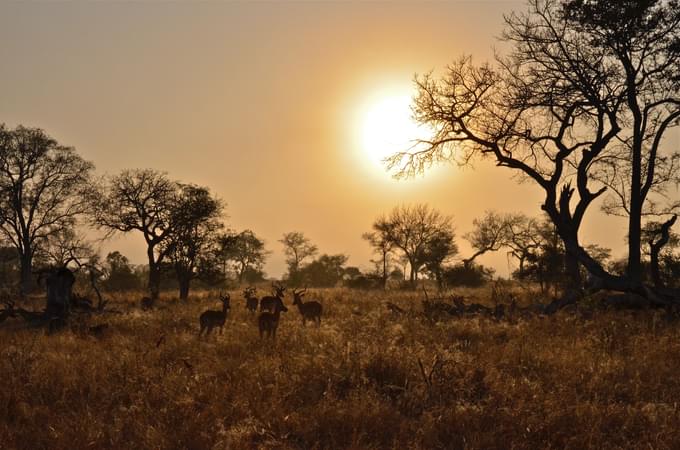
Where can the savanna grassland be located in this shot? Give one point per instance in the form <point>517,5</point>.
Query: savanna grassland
<point>368,378</point>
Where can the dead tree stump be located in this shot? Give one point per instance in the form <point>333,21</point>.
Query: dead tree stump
<point>59,285</point>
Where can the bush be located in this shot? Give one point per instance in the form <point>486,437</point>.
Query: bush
<point>365,282</point>
<point>471,276</point>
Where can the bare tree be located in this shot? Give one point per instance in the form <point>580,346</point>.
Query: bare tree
<point>379,239</point>
<point>581,77</point>
<point>642,41</point>
<point>413,229</point>
<point>42,186</point>
<point>140,200</point>
<point>524,238</point>
<point>490,233</point>
<point>68,248</point>
<point>658,236</point>
<point>297,248</point>
<point>65,247</point>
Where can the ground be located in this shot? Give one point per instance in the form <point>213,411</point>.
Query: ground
<point>368,378</point>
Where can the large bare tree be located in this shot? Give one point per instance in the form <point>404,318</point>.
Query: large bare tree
<point>379,239</point>
<point>421,233</point>
<point>581,78</point>
<point>42,191</point>
<point>140,200</point>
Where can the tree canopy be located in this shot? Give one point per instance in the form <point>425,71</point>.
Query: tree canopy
<point>43,187</point>
<point>583,98</point>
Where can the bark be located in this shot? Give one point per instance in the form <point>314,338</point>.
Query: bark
<point>101,303</point>
<point>384,273</point>
<point>154,280</point>
<point>184,284</point>
<point>573,272</point>
<point>154,274</point>
<point>634,223</point>
<point>59,285</point>
<point>468,262</point>
<point>636,199</point>
<point>26,260</point>
<point>655,249</point>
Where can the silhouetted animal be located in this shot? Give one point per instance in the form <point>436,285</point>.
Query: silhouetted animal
<point>309,310</point>
<point>211,319</point>
<point>269,321</point>
<point>251,300</point>
<point>267,303</point>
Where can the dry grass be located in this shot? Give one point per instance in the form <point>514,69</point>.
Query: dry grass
<point>610,381</point>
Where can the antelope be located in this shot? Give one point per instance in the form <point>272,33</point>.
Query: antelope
<point>308,310</point>
<point>269,321</point>
<point>147,303</point>
<point>211,319</point>
<point>267,303</point>
<point>251,300</point>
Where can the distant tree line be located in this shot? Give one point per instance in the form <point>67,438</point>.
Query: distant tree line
<point>422,237</point>
<point>49,196</point>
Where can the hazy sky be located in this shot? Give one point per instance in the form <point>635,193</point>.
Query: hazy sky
<point>262,102</point>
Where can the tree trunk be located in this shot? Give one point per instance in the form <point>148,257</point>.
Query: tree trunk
<point>631,282</point>
<point>154,274</point>
<point>655,249</point>
<point>572,268</point>
<point>154,281</point>
<point>384,274</point>
<point>26,261</point>
<point>59,285</point>
<point>184,283</point>
<point>634,266</point>
<point>93,282</point>
<point>636,199</point>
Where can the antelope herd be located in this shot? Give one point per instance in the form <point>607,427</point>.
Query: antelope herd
<point>271,307</point>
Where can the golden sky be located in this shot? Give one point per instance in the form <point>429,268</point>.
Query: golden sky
<point>262,102</point>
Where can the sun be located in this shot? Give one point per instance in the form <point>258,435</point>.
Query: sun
<point>386,127</point>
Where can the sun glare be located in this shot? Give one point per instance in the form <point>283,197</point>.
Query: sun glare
<point>386,127</point>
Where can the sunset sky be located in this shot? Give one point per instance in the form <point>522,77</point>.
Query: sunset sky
<point>265,103</point>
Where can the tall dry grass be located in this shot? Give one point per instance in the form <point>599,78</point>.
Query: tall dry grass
<point>366,379</point>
